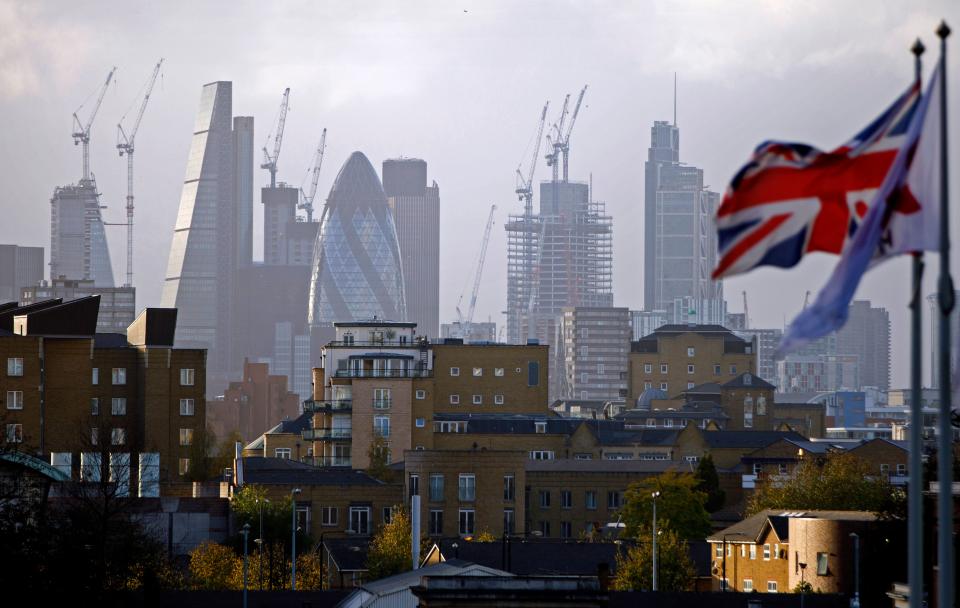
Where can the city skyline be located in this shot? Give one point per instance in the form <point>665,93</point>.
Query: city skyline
<point>739,93</point>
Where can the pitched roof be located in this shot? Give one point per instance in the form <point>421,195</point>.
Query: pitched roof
<point>600,465</point>
<point>349,554</point>
<point>284,471</point>
<point>748,380</point>
<point>750,529</point>
<point>747,439</point>
<point>535,557</point>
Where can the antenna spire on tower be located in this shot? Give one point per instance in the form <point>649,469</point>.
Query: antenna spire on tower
<point>674,99</point>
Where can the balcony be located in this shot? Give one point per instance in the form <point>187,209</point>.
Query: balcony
<point>327,461</point>
<point>334,405</point>
<point>394,343</point>
<point>326,434</point>
<point>381,403</point>
<point>383,373</point>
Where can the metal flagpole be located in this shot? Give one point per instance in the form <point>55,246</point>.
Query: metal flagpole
<point>915,489</point>
<point>945,296</point>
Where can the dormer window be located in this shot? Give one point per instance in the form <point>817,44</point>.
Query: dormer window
<point>348,339</point>
<point>747,379</point>
<point>540,427</point>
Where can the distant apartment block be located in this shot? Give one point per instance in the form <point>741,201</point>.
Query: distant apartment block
<point>592,351</point>
<point>645,322</point>
<point>767,341</point>
<point>252,405</point>
<point>478,331</point>
<point>19,267</point>
<point>866,334</point>
<point>818,373</point>
<point>117,304</point>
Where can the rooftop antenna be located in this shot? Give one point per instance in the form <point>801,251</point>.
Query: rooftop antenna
<point>674,99</point>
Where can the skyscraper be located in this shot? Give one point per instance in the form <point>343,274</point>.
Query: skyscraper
<point>243,157</point>
<point>19,267</point>
<point>416,212</point>
<point>205,253</point>
<point>680,246</point>
<point>867,335</point>
<point>78,241</point>
<point>356,273</point>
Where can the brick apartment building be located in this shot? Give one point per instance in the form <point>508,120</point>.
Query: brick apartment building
<point>255,403</point>
<point>72,395</point>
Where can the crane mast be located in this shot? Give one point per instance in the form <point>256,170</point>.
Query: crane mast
<point>125,145</point>
<point>81,132</point>
<point>746,312</point>
<point>307,204</point>
<point>565,141</point>
<point>525,183</point>
<point>555,140</point>
<point>466,323</point>
<point>270,162</point>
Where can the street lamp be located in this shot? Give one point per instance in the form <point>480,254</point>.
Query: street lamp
<point>246,534</point>
<point>259,541</point>
<point>803,586</point>
<point>855,602</point>
<point>293,538</point>
<point>655,496</point>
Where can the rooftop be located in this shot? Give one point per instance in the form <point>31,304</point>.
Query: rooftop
<point>284,471</point>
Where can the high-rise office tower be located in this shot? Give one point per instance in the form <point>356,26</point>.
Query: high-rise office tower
<point>680,246</point>
<point>416,212</point>
<point>243,157</point>
<point>934,309</point>
<point>205,254</point>
<point>19,267</point>
<point>356,273</point>
<point>867,335</point>
<point>78,241</point>
<point>279,214</point>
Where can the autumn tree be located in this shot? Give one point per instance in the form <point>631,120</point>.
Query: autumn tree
<point>247,505</point>
<point>708,482</point>
<point>389,551</point>
<point>675,570</point>
<point>213,567</point>
<point>843,482</point>
<point>680,506</point>
<point>379,455</point>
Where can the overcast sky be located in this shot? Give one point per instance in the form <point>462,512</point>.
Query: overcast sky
<point>459,84</point>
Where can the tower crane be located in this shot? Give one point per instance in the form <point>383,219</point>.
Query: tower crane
<point>565,140</point>
<point>81,133</point>
<point>554,138</point>
<point>746,312</point>
<point>125,145</point>
<point>465,324</point>
<point>307,204</point>
<point>525,182</point>
<point>270,162</point>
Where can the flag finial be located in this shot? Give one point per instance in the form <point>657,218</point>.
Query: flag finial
<point>917,48</point>
<point>944,30</point>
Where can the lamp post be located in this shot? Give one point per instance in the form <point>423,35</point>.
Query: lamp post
<point>723,583</point>
<point>855,602</point>
<point>655,496</point>
<point>246,534</point>
<point>259,541</point>
<point>293,538</point>
<point>803,587</point>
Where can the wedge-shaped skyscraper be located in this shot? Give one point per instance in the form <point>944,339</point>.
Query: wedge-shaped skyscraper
<point>356,272</point>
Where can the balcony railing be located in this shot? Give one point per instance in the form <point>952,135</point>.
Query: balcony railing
<point>381,404</point>
<point>383,373</point>
<point>327,461</point>
<point>326,434</point>
<point>385,342</point>
<point>333,405</point>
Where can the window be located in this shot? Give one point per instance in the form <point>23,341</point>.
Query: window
<point>381,398</point>
<point>647,385</point>
<point>822,564</point>
<point>509,487</point>
<point>766,552</point>
<point>544,499</point>
<point>329,516</point>
<point>285,453</point>
<point>663,386</point>
<point>663,368</point>
<point>436,487</point>
<point>533,373</point>
<point>771,586</point>
<point>691,369</point>
<point>884,468</point>
<point>748,584</point>
<point>691,351</point>
<point>454,399</point>
<point>467,521</point>
<point>186,376</point>
<point>508,521</point>
<point>388,513</point>
<point>566,530</point>
<point>743,551</point>
<point>733,370</point>
<point>94,406</point>
<point>541,454</point>
<point>436,522</point>
<point>118,406</point>
<point>118,436</point>
<point>14,400</point>
<point>454,371</point>
<point>360,520</point>
<point>540,427</point>
<point>757,468</point>
<point>782,468</point>
<point>421,394</point>
<point>776,551</point>
<point>583,456</point>
<point>724,584</point>
<point>718,550</point>
<point>545,528</point>
<point>498,399</point>
<point>15,366</point>
<point>184,467</point>
<point>414,485</point>
<point>186,438</point>
<point>467,487</point>
<point>753,552</point>
<point>450,427</point>
<point>94,436</point>
<point>14,433</point>
<point>421,422</point>
<point>477,372</point>
<point>566,499</point>
<point>95,377</point>
<point>119,375</point>
<point>498,371</point>
<point>716,370</point>
<point>901,469</point>
<point>614,499</point>
<point>590,500</point>
<point>690,385</point>
<point>648,368</point>
<point>478,399</point>
<point>187,407</point>
<point>381,426</point>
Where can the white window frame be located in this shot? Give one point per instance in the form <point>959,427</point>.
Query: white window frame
<point>467,487</point>
<point>468,517</point>
<point>454,371</point>
<point>186,437</point>
<point>772,587</point>
<point>95,376</point>
<point>14,400</point>
<point>753,551</point>
<point>478,399</point>
<point>691,369</point>
<point>284,453</point>
<point>498,399</point>
<point>498,371</point>
<point>118,406</point>
<point>766,552</point>
<point>540,427</point>
<point>94,406</point>
<point>420,394</point>
<point>187,376</point>
<point>691,351</point>
<point>183,466</point>
<point>663,386</point>
<point>648,368</point>
<point>664,369</point>
<point>421,422</point>
<point>15,367</point>
<point>118,376</point>
<point>541,455</point>
<point>748,584</point>
<point>14,432</point>
<point>477,372</point>
<point>118,436</point>
<point>454,399</point>
<point>329,516</point>
<point>187,407</point>
<point>381,426</point>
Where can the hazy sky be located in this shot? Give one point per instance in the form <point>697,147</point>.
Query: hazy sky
<point>459,84</point>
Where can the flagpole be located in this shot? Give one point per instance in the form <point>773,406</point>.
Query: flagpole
<point>915,489</point>
<point>945,297</point>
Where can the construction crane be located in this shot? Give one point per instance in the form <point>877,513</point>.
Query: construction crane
<point>806,300</point>
<point>81,133</point>
<point>746,312</point>
<point>535,283</point>
<point>565,140</point>
<point>525,182</point>
<point>125,145</point>
<point>553,140</point>
<point>307,204</point>
<point>465,324</point>
<point>270,162</point>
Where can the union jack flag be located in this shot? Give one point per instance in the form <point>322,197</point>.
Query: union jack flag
<point>791,199</point>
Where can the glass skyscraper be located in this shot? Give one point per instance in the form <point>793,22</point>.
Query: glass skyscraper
<point>356,272</point>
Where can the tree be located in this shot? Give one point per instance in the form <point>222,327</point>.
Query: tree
<point>379,455</point>
<point>247,505</point>
<point>311,572</point>
<point>213,567</point>
<point>675,571</point>
<point>708,482</point>
<point>389,551</point>
<point>844,482</point>
<point>680,507</point>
